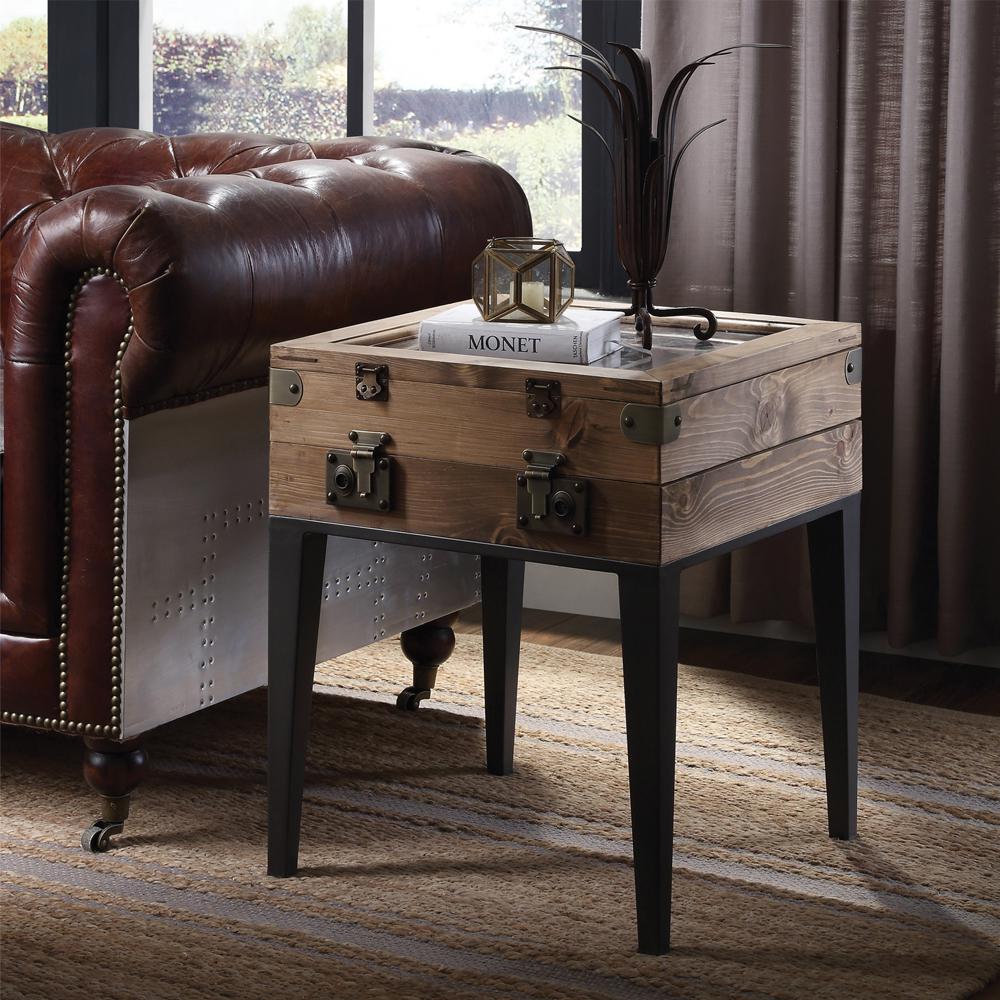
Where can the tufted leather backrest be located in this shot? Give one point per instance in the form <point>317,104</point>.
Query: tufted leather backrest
<point>38,170</point>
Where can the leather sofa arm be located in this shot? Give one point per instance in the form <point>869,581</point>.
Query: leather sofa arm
<point>217,267</point>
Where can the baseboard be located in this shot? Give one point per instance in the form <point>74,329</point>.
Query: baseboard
<point>571,591</point>
<point>584,592</point>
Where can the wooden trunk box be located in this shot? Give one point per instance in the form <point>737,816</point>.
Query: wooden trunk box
<point>699,445</point>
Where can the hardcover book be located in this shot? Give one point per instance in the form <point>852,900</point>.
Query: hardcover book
<point>581,336</point>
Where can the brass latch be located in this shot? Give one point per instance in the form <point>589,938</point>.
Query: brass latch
<point>546,502</point>
<point>372,381</point>
<point>543,397</point>
<point>360,478</point>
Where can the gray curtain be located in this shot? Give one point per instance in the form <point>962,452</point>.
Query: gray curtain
<point>858,177</point>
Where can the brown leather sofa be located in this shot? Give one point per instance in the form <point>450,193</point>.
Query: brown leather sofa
<point>143,280</point>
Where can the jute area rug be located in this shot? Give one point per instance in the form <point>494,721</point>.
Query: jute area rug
<point>422,876</point>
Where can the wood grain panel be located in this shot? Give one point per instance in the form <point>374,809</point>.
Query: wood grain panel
<point>408,323</point>
<point>458,424</point>
<point>731,500</point>
<point>382,341</point>
<point>739,362</point>
<point>411,365</point>
<point>401,322</point>
<point>469,501</point>
<point>748,417</point>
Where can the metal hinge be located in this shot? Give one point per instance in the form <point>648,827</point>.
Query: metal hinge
<point>372,381</point>
<point>360,477</point>
<point>852,366</point>
<point>285,387</point>
<point>543,398</point>
<point>549,503</point>
<point>651,424</point>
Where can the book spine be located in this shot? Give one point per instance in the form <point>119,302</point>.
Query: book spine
<point>567,348</point>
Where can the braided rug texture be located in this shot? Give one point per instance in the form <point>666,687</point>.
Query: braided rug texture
<point>422,876</point>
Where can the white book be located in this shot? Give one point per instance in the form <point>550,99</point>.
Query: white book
<point>580,336</point>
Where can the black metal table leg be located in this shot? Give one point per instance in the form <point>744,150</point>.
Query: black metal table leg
<point>834,545</point>
<point>295,581</point>
<point>502,585</point>
<point>649,618</point>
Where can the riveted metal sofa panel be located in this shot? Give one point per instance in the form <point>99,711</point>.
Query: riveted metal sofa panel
<point>143,275</point>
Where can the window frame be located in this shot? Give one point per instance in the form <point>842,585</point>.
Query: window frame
<point>597,264</point>
<point>94,65</point>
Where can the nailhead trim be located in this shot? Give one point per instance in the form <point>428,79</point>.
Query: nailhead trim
<point>63,723</point>
<point>132,412</point>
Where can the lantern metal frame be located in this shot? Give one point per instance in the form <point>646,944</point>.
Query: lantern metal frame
<point>521,255</point>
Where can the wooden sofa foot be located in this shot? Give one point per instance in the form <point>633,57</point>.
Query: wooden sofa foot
<point>113,769</point>
<point>427,646</point>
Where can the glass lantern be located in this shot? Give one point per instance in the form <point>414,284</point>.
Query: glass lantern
<point>523,279</point>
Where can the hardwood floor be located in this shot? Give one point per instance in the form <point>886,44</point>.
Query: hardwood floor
<point>963,687</point>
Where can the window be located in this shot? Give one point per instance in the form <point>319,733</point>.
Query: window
<point>458,72</point>
<point>24,63</point>
<point>250,66</point>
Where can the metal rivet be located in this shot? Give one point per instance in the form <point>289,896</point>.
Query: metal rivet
<point>383,504</point>
<point>353,435</point>
<point>577,529</point>
<point>628,421</point>
<point>677,421</point>
<point>522,519</point>
<point>527,455</point>
<point>330,457</point>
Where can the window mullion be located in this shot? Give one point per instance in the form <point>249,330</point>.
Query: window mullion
<point>360,67</point>
<point>597,264</point>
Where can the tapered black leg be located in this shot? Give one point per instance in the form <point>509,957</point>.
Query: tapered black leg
<point>295,582</point>
<point>502,589</point>
<point>834,542</point>
<point>649,609</point>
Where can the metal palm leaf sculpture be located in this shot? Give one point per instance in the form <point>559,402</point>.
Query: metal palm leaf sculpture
<point>644,166</point>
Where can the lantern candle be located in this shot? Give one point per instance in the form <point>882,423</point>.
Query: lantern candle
<point>533,295</point>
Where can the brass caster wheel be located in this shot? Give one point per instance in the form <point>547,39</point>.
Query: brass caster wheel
<point>409,699</point>
<point>98,837</point>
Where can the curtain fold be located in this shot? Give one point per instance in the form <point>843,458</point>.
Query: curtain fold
<point>858,178</point>
<point>968,520</point>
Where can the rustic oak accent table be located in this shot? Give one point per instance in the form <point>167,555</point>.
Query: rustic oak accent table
<point>639,471</point>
